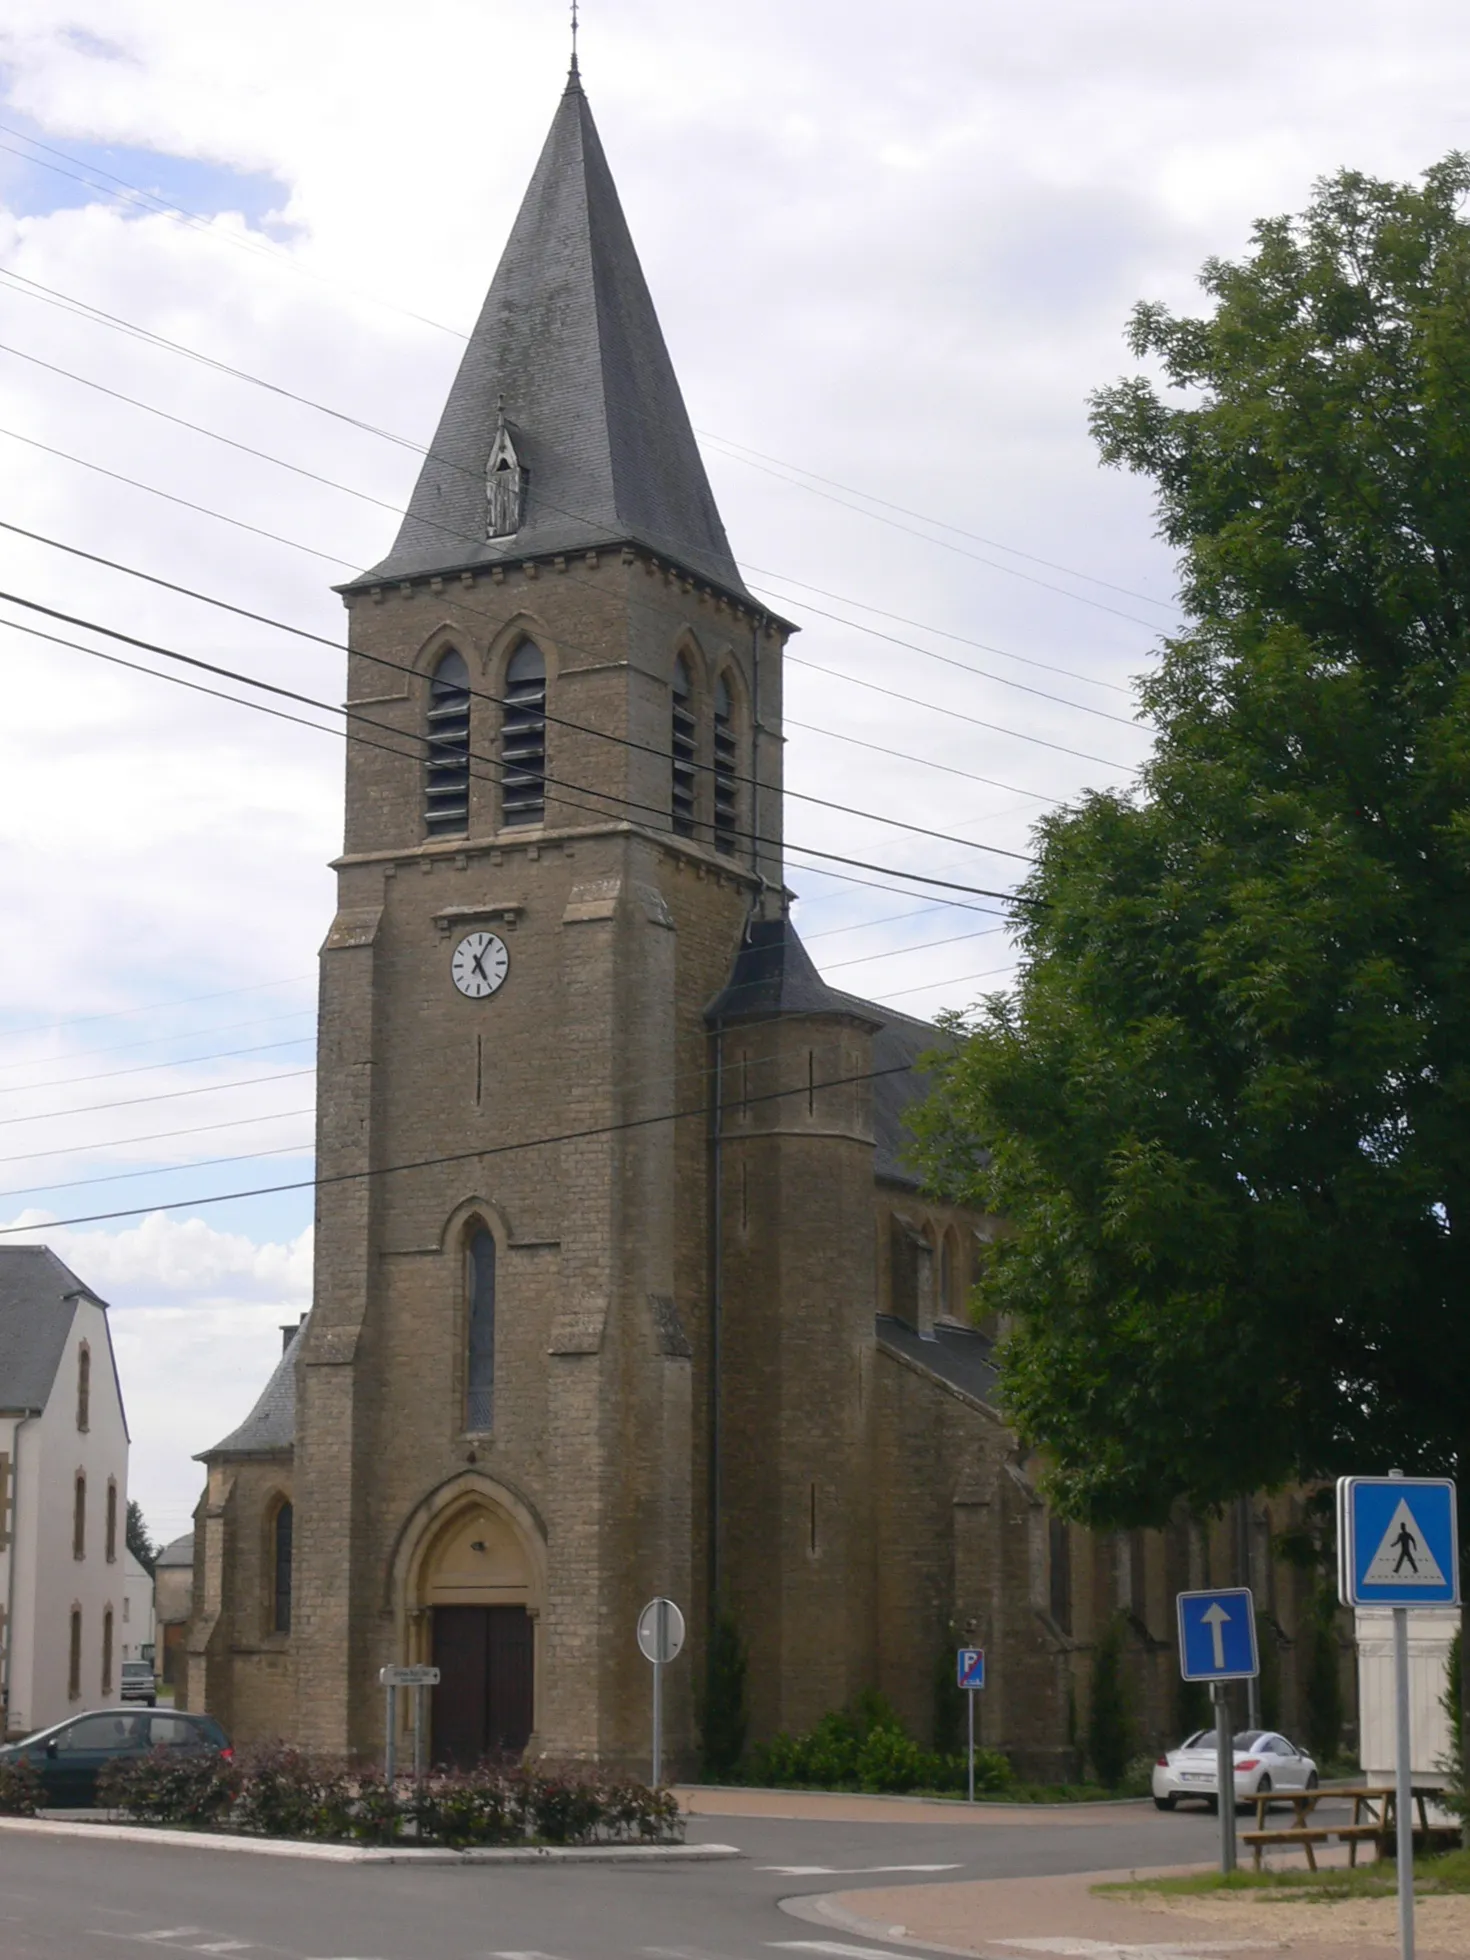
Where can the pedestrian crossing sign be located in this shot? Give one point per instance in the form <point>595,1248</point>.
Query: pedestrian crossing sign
<point>1397,1542</point>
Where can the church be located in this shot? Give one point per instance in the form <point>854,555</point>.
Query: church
<point>623,1286</point>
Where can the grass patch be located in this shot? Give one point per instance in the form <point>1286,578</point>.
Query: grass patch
<point>1450,1872</point>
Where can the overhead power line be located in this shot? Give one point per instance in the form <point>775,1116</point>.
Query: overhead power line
<point>169,1095</point>
<point>449,531</point>
<point>398,666</point>
<point>154,1136</point>
<point>279,714</point>
<point>153,1068</point>
<point>276,537</point>
<point>158,1007</point>
<point>320,1183</point>
<point>798,475</point>
<point>149,1041</point>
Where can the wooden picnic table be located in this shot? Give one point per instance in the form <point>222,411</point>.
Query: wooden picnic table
<point>1373,1821</point>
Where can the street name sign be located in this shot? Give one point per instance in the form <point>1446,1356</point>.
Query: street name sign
<point>970,1667</point>
<point>408,1677</point>
<point>1397,1542</point>
<point>1217,1635</point>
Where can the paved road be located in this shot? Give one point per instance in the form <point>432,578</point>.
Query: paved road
<point>63,1901</point>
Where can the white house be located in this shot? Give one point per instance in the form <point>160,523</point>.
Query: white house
<point>63,1495</point>
<point>137,1611</point>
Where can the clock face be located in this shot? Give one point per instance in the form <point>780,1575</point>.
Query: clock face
<point>480,964</point>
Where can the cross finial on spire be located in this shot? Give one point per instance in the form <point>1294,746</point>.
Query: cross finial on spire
<point>574,74</point>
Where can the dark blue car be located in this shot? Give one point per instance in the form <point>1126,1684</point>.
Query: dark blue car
<point>69,1756</point>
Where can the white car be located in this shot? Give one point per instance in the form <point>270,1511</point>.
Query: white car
<point>1264,1761</point>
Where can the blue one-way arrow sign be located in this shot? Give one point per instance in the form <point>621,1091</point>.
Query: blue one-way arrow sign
<point>1217,1635</point>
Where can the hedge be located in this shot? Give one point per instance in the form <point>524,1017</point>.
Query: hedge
<point>286,1793</point>
<point>866,1747</point>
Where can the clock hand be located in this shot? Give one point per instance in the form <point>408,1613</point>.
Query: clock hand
<point>475,959</point>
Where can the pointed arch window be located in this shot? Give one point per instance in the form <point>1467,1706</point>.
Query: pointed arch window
<point>682,750</point>
<point>283,1529</point>
<point>523,738</point>
<point>447,772</point>
<point>726,800</point>
<point>480,1331</point>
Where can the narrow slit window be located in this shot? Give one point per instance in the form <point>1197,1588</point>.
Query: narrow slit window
<point>726,802</point>
<point>84,1387</point>
<point>523,738</point>
<point>111,1520</point>
<point>282,1534</point>
<point>447,771</point>
<point>79,1516</point>
<point>480,1344</point>
<point>812,1519</point>
<point>74,1657</point>
<point>682,750</point>
<point>107,1650</point>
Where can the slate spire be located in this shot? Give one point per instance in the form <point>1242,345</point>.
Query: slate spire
<point>569,343</point>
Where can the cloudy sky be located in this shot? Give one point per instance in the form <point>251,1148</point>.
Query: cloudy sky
<point>893,250</point>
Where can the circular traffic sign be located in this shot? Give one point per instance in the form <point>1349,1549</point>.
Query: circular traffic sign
<point>660,1631</point>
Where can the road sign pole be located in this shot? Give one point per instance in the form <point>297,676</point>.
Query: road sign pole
<point>418,1735</point>
<point>1225,1777</point>
<point>970,1699</point>
<point>1404,1801</point>
<point>658,1723</point>
<point>388,1737</point>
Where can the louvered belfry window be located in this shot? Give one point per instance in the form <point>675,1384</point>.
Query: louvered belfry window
<point>681,749</point>
<point>523,738</point>
<point>447,774</point>
<point>726,805</point>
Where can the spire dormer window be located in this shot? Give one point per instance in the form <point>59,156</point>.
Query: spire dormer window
<point>447,772</point>
<point>681,749</point>
<point>505,484</point>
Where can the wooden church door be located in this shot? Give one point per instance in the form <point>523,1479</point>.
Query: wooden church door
<point>484,1703</point>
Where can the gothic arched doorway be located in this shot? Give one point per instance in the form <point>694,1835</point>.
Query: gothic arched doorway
<point>476,1584</point>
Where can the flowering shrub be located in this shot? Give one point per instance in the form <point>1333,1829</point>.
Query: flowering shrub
<point>179,1787</point>
<point>20,1789</point>
<point>285,1793</point>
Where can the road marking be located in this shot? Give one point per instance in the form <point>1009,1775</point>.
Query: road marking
<point>849,1871</point>
<point>844,1952</point>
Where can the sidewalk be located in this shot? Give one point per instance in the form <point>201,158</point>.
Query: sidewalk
<point>845,1807</point>
<point>1011,1918</point>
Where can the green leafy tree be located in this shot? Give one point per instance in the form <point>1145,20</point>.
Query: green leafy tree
<point>1226,1109</point>
<point>139,1543</point>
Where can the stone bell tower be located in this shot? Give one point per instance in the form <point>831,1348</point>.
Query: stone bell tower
<point>562,808</point>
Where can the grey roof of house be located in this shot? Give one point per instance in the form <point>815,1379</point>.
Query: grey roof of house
<point>178,1551</point>
<point>568,337</point>
<point>957,1355</point>
<point>38,1297</point>
<point>270,1426</point>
